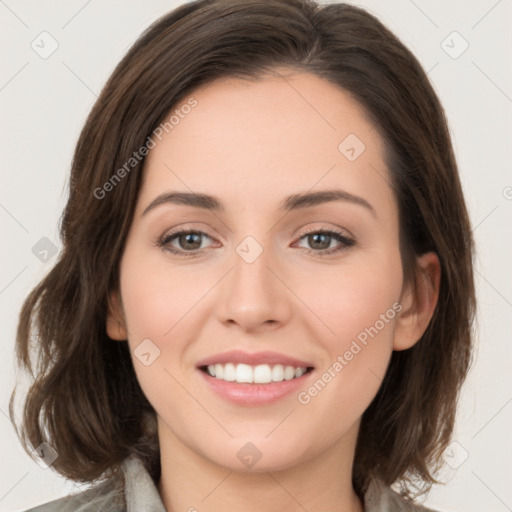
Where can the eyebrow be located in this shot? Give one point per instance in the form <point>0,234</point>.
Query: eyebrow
<point>293,202</point>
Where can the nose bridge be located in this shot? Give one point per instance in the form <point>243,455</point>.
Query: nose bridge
<point>254,295</point>
<point>251,275</point>
<point>251,263</point>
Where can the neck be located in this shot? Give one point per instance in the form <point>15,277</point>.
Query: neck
<point>191,482</point>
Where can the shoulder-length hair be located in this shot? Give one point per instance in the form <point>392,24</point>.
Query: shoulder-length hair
<point>85,399</point>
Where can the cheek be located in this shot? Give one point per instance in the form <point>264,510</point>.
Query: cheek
<point>157,299</point>
<point>358,317</point>
<point>164,313</point>
<point>355,296</point>
<point>158,306</point>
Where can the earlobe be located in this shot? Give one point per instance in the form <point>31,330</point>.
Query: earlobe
<point>418,301</point>
<point>116,328</point>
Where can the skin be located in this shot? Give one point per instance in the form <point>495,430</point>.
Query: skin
<point>251,144</point>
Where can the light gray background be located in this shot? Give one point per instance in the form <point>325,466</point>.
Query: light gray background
<point>44,103</point>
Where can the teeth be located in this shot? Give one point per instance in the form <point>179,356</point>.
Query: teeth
<point>244,373</point>
<point>229,372</point>
<point>260,374</point>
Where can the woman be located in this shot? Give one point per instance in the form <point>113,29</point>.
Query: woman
<point>265,296</point>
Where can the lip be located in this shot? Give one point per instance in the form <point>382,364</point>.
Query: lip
<point>254,359</point>
<point>255,394</point>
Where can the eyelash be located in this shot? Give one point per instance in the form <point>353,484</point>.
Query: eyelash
<point>345,242</point>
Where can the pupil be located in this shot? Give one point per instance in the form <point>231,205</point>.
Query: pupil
<point>189,239</point>
<point>314,239</point>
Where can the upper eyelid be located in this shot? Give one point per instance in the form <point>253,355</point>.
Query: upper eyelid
<point>327,229</point>
<point>201,231</point>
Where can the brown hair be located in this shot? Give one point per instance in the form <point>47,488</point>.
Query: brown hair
<point>85,399</point>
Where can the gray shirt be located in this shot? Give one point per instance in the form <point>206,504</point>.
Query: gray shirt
<point>139,494</point>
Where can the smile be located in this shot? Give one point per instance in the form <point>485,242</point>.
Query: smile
<point>259,374</point>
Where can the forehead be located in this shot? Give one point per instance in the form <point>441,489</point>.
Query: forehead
<point>253,141</point>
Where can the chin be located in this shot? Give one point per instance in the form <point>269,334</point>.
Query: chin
<point>257,454</point>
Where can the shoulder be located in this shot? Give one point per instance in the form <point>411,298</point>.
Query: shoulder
<point>131,489</point>
<point>105,496</point>
<point>380,498</point>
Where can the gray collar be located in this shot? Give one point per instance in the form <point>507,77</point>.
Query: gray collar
<point>140,491</point>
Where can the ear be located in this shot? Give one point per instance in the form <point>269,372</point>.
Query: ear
<point>418,301</point>
<point>116,325</point>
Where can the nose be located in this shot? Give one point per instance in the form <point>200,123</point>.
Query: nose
<point>254,295</point>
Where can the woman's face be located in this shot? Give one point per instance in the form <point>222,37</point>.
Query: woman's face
<point>258,277</point>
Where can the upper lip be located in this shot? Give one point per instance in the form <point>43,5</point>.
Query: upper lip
<point>253,359</point>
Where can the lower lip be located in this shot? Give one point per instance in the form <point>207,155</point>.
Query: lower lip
<point>254,394</point>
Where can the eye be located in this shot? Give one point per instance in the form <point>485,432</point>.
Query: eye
<point>189,242</point>
<point>321,242</point>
